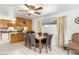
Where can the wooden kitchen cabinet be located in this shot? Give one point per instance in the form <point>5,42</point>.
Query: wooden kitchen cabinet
<point>17,37</point>
<point>4,22</point>
<point>24,22</point>
<point>20,24</point>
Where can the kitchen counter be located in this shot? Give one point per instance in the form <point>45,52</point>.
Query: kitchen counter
<point>11,36</point>
<point>7,31</point>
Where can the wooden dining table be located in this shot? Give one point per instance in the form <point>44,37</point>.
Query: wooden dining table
<point>40,38</point>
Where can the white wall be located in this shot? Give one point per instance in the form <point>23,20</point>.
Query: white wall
<point>70,25</point>
<point>34,24</point>
<point>9,16</point>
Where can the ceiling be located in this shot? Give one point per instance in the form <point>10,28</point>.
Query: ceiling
<point>48,9</point>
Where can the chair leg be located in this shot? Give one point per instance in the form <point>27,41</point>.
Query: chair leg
<point>49,47</point>
<point>35,48</point>
<point>42,46</point>
<point>30,46</point>
<point>25,42</point>
<point>46,49</point>
<point>68,51</point>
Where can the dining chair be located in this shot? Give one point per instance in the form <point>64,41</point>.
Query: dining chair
<point>48,42</point>
<point>40,34</point>
<point>44,40</point>
<point>32,41</point>
<point>27,40</point>
<point>45,34</point>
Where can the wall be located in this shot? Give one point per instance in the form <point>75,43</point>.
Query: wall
<point>8,14</point>
<point>70,25</point>
<point>34,24</point>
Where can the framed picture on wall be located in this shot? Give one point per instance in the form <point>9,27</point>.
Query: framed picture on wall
<point>77,20</point>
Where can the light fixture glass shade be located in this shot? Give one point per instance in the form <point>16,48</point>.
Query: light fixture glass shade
<point>11,28</point>
<point>31,11</point>
<point>13,22</point>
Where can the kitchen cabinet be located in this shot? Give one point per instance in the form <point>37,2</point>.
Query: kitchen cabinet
<point>24,22</point>
<point>17,37</point>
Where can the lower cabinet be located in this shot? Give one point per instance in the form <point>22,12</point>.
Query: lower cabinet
<point>17,37</point>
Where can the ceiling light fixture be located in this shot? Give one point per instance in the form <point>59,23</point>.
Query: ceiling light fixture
<point>31,9</point>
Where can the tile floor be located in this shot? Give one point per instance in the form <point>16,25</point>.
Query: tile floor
<point>20,49</point>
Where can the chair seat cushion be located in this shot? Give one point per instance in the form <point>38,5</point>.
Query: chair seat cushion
<point>44,41</point>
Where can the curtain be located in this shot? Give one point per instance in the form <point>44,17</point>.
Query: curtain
<point>60,26</point>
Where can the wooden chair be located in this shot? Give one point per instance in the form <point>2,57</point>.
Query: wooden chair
<point>45,34</point>
<point>74,43</point>
<point>33,41</point>
<point>44,40</point>
<point>48,43</point>
<point>27,40</point>
<point>40,34</point>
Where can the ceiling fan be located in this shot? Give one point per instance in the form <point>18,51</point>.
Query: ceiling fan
<point>33,9</point>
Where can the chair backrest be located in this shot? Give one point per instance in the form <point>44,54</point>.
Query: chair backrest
<point>31,32</point>
<point>49,38</point>
<point>40,34</point>
<point>45,34</point>
<point>32,39</point>
<point>75,38</point>
<point>28,38</point>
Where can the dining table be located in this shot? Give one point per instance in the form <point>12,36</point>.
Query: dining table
<point>40,38</point>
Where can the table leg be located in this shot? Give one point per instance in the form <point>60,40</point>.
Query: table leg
<point>40,46</point>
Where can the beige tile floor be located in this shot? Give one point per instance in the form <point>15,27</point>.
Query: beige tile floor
<point>20,49</point>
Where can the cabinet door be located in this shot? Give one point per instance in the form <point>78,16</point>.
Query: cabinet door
<point>17,37</point>
<point>26,23</point>
<point>30,26</point>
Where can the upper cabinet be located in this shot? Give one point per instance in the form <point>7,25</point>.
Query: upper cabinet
<point>20,24</point>
<point>23,22</point>
<point>4,24</point>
